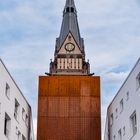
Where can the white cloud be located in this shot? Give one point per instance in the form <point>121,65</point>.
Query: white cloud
<point>115,77</point>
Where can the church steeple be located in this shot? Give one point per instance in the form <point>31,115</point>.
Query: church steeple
<point>69,50</point>
<point>70,24</point>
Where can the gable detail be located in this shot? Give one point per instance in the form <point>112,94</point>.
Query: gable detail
<point>69,39</point>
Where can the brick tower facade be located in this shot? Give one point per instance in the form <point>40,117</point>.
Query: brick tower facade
<point>69,97</point>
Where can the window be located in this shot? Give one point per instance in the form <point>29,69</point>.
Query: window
<point>27,120</point>
<point>16,112</point>
<point>7,125</point>
<point>121,105</point>
<point>23,137</point>
<point>67,10</point>
<point>7,91</point>
<point>111,119</point>
<point>114,137</point>
<point>116,111</point>
<point>138,81</point>
<point>23,114</point>
<point>133,121</point>
<point>18,133</point>
<point>123,130</point>
<point>127,96</point>
<point>72,9</point>
<point>69,38</point>
<point>120,134</point>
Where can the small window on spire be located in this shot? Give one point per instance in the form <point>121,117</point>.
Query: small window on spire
<point>69,38</point>
<point>67,9</point>
<point>72,9</point>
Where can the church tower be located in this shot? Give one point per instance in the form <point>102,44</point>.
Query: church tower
<point>69,95</point>
<point>69,56</point>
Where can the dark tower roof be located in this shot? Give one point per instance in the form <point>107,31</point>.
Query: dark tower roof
<point>70,24</point>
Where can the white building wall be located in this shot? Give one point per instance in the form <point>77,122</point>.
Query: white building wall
<point>8,106</point>
<point>131,103</point>
<point>106,130</point>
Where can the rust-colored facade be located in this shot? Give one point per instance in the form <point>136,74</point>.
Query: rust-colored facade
<point>69,108</point>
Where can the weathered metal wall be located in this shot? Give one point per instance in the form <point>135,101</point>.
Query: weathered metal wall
<point>69,108</point>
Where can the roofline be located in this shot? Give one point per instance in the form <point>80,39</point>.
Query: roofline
<point>124,82</point>
<point>15,83</point>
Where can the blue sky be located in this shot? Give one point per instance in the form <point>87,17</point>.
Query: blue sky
<point>111,29</point>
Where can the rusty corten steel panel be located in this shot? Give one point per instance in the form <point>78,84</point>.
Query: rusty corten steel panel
<point>69,108</point>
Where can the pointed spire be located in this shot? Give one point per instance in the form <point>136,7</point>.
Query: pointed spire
<point>69,24</point>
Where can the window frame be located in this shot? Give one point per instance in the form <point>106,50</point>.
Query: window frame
<point>18,133</point>
<point>23,137</point>
<point>127,95</point>
<point>114,137</point>
<point>138,81</point>
<point>7,125</point>
<point>116,113</point>
<point>121,105</point>
<point>120,134</point>
<point>133,124</point>
<point>16,110</point>
<point>111,119</point>
<point>7,91</point>
<point>23,114</point>
<point>124,130</point>
<point>27,120</point>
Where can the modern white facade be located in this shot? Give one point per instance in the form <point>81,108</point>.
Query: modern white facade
<point>123,114</point>
<point>15,112</point>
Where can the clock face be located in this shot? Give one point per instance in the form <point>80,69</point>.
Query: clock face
<point>69,47</point>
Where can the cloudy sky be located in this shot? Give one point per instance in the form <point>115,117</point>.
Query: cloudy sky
<point>111,29</point>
